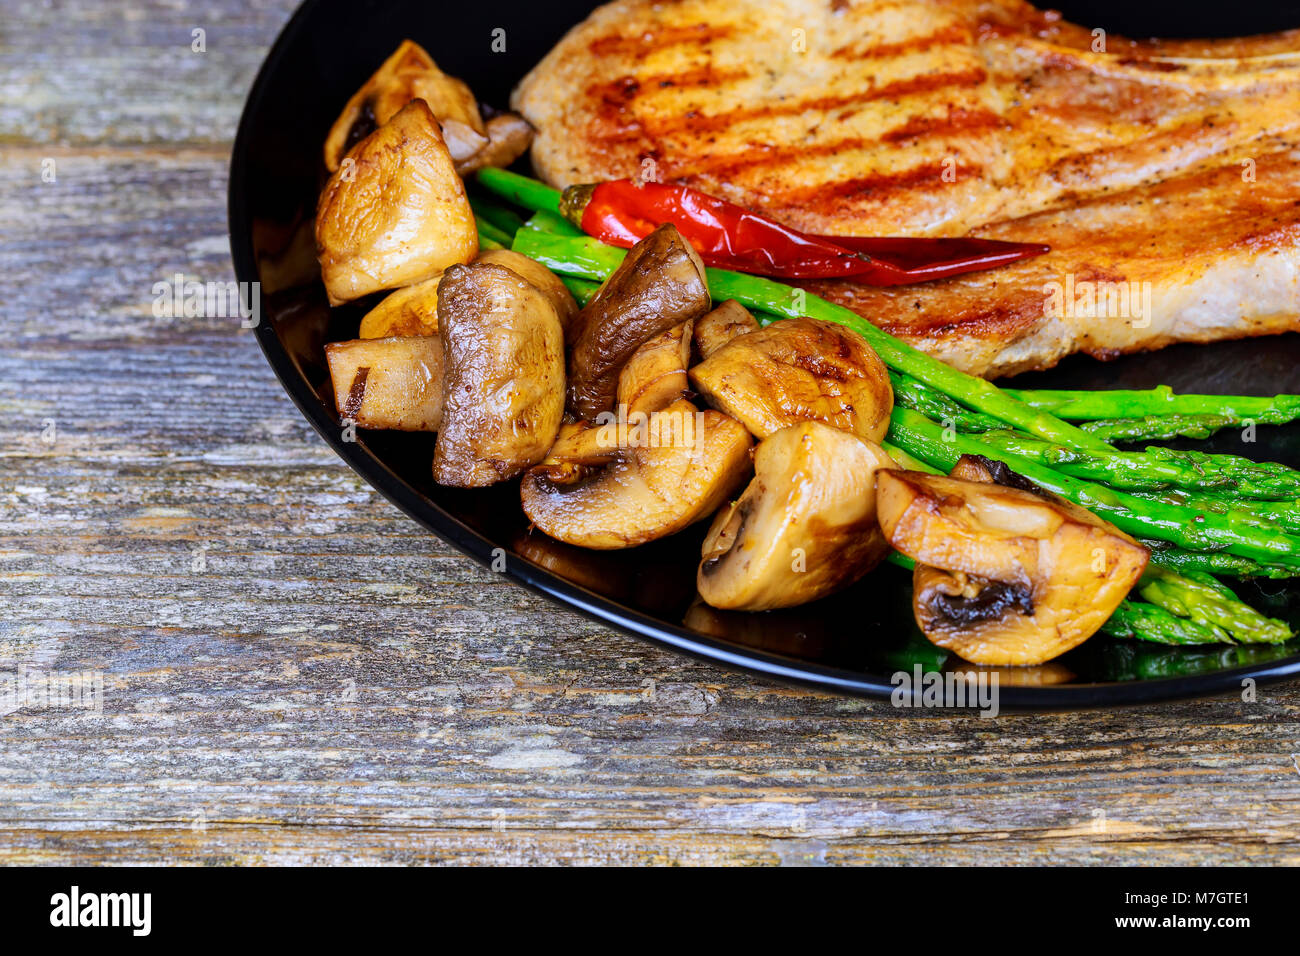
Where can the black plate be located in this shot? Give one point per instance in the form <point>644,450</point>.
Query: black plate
<point>851,643</point>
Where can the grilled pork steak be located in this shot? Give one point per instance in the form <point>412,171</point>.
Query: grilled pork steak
<point>1165,174</point>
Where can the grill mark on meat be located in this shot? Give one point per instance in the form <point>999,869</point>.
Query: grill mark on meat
<point>728,166</point>
<point>624,89</point>
<point>1125,168</point>
<point>618,125</point>
<point>909,86</point>
<point>957,120</point>
<point>928,174</point>
<point>945,36</point>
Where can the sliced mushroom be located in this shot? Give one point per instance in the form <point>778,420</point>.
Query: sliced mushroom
<point>412,310</point>
<point>463,142</point>
<point>388,383</point>
<point>659,285</point>
<point>409,74</point>
<point>504,394</point>
<point>799,370</point>
<point>508,137</point>
<point>804,528</point>
<point>655,376</point>
<point>580,450</point>
<point>1007,573</point>
<point>395,213</point>
<point>724,323</point>
<point>536,273</point>
<point>684,466</point>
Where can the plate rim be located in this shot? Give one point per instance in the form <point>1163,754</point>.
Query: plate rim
<point>437,520</point>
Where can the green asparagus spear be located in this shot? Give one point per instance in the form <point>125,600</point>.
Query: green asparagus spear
<point>591,259</point>
<point>1155,468</point>
<point>498,237</point>
<point>584,290</point>
<point>520,190</point>
<point>1116,403</point>
<point>1281,515</point>
<point>903,460</point>
<point>938,407</point>
<point>499,216</point>
<point>1271,515</point>
<point>900,559</point>
<point>544,221</point>
<point>1138,516</point>
<point>1146,622</point>
<point>1275,515</point>
<point>1157,427</point>
<point>1214,562</point>
<point>1205,601</point>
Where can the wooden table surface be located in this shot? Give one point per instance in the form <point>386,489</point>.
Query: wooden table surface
<point>295,673</point>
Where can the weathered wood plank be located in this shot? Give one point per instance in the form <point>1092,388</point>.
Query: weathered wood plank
<point>295,673</point>
<point>87,73</point>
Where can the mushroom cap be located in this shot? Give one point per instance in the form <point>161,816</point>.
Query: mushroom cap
<point>727,321</point>
<point>659,285</point>
<point>655,376</point>
<point>504,391</point>
<point>411,310</point>
<point>536,273</point>
<point>653,379</point>
<point>408,74</point>
<point>804,528</point>
<point>508,137</point>
<point>799,370</point>
<point>396,214</point>
<point>1005,575</point>
<point>674,473</point>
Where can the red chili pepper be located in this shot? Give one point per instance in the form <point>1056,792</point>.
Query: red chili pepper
<point>622,212</point>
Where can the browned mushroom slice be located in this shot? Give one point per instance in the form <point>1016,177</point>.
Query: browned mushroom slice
<point>1007,574</point>
<point>388,383</point>
<point>412,310</point>
<point>659,285</point>
<point>681,468</point>
<point>504,395</point>
<point>804,528</point>
<point>728,321</point>
<point>579,451</point>
<point>508,137</point>
<point>395,213</point>
<point>408,74</point>
<point>463,142</point>
<point>536,273</point>
<point>799,370</point>
<point>655,376</point>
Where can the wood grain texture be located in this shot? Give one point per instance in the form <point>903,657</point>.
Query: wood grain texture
<point>295,673</point>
